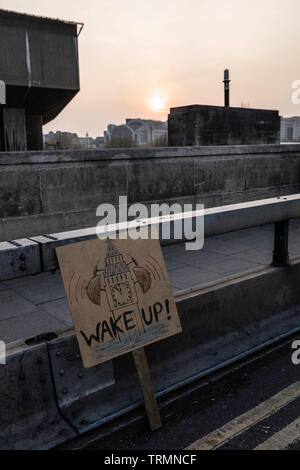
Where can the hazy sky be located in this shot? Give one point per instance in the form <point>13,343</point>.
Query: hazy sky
<point>132,50</point>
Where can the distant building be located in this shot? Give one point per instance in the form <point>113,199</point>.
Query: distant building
<point>98,142</point>
<point>139,131</point>
<point>61,141</point>
<point>86,142</point>
<point>290,129</point>
<point>68,140</point>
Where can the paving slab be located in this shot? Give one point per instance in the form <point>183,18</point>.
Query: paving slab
<point>232,266</point>
<point>39,289</point>
<point>183,278</point>
<point>261,241</point>
<point>171,250</point>
<point>173,264</point>
<point>243,237</point>
<point>13,305</point>
<point>28,325</point>
<point>227,247</point>
<point>258,255</point>
<point>191,258</point>
<point>58,309</point>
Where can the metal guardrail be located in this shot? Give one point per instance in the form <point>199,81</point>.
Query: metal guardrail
<point>38,253</point>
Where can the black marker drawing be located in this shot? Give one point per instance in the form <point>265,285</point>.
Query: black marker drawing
<point>118,280</point>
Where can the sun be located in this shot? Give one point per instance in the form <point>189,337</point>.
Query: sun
<point>157,103</point>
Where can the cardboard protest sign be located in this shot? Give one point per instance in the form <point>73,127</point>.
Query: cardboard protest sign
<point>119,295</point>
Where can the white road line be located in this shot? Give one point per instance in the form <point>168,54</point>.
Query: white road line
<point>282,439</point>
<point>242,423</point>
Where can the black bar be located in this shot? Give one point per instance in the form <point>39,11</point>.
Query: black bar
<point>227,88</point>
<point>281,244</point>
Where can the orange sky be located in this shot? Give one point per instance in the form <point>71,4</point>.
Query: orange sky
<point>130,50</point>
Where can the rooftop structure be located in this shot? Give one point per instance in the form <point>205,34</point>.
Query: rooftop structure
<point>198,125</point>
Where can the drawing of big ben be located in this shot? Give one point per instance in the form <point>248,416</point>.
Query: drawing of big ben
<point>119,281</point>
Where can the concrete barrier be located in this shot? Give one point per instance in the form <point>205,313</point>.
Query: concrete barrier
<point>48,398</point>
<point>78,390</point>
<point>30,418</point>
<point>49,243</point>
<point>50,192</point>
<point>19,258</point>
<point>221,323</point>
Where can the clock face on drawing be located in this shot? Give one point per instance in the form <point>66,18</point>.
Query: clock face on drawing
<point>121,295</point>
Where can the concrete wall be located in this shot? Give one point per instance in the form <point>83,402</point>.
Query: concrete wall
<point>49,192</point>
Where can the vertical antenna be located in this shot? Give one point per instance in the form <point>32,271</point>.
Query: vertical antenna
<point>227,88</point>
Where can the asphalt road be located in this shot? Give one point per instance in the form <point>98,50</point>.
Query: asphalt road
<point>260,410</point>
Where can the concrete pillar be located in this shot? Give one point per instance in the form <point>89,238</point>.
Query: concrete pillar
<point>34,128</point>
<point>13,130</point>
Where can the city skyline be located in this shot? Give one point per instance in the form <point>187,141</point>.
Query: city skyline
<point>167,54</point>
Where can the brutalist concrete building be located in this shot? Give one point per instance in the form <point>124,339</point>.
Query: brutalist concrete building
<point>216,125</point>
<point>39,66</point>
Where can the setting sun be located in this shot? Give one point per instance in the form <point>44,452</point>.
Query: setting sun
<point>157,103</point>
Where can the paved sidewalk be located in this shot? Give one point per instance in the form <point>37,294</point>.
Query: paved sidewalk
<point>37,304</point>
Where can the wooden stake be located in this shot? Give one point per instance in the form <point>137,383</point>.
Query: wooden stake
<point>142,368</point>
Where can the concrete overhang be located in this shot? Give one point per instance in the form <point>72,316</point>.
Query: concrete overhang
<point>43,76</point>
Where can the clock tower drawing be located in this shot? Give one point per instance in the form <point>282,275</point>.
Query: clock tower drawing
<point>119,281</point>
